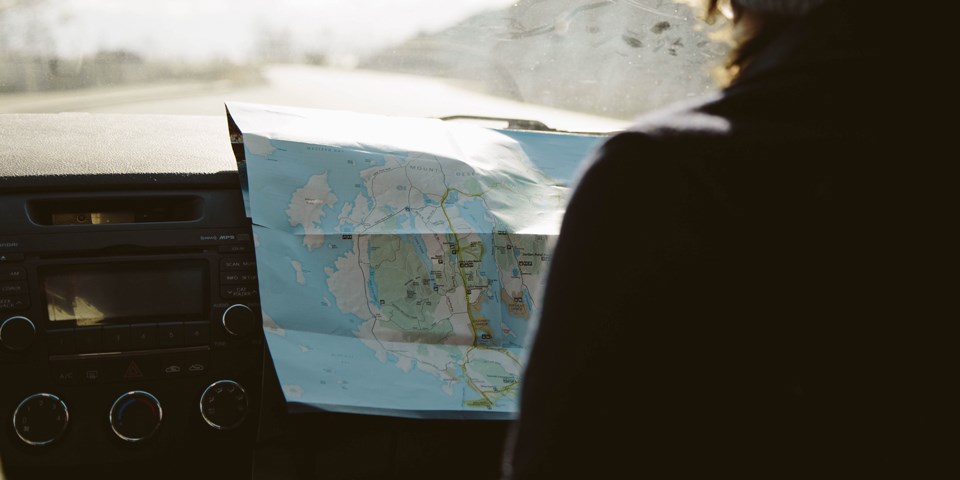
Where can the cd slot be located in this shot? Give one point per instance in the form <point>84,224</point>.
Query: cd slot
<point>115,210</point>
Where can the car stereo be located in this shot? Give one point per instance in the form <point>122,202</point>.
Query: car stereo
<point>130,328</point>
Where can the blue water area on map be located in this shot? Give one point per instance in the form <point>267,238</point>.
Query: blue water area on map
<point>474,213</point>
<point>289,168</point>
<point>292,304</point>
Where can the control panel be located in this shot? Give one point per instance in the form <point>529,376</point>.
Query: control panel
<point>129,344</point>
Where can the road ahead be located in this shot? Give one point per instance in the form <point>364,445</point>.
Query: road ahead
<point>307,86</point>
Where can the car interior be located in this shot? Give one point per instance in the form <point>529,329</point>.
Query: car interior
<point>133,338</point>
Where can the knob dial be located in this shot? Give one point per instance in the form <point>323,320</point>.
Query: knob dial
<point>239,320</point>
<point>224,405</point>
<point>135,416</point>
<point>40,419</point>
<point>17,333</point>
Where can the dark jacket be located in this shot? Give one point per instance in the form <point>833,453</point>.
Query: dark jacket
<point>757,285</point>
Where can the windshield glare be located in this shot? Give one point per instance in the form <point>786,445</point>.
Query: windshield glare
<point>573,64</point>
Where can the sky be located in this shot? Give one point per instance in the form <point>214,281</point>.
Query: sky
<point>232,29</point>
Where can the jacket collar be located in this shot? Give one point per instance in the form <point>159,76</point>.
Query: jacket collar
<point>837,35</point>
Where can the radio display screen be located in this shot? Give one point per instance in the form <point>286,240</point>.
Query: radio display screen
<point>105,293</point>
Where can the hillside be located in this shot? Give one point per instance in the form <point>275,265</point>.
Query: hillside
<point>612,58</point>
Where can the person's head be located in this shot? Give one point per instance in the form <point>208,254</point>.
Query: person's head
<point>757,23</point>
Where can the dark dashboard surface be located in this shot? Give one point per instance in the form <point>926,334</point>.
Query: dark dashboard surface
<point>79,150</point>
<point>62,159</point>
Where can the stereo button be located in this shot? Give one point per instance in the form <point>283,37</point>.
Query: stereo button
<point>89,340</point>
<point>143,337</point>
<point>61,341</point>
<point>116,338</point>
<point>14,303</point>
<point>196,333</point>
<point>238,263</point>
<point>234,248</point>
<point>240,320</point>
<point>238,277</point>
<point>17,334</point>
<point>11,257</point>
<point>13,288</point>
<point>169,335</point>
<point>12,273</point>
<point>239,291</point>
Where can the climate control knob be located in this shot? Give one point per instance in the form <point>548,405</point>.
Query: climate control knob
<point>135,416</point>
<point>40,419</point>
<point>17,333</point>
<point>224,405</point>
<point>239,320</point>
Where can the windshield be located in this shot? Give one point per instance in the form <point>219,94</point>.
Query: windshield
<point>583,65</point>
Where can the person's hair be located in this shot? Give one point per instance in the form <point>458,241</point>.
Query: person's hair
<point>750,40</point>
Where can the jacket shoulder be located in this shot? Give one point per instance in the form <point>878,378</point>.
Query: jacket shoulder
<point>677,136</point>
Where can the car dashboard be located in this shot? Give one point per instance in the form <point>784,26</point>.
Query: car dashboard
<point>130,327</point>
<point>131,339</point>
